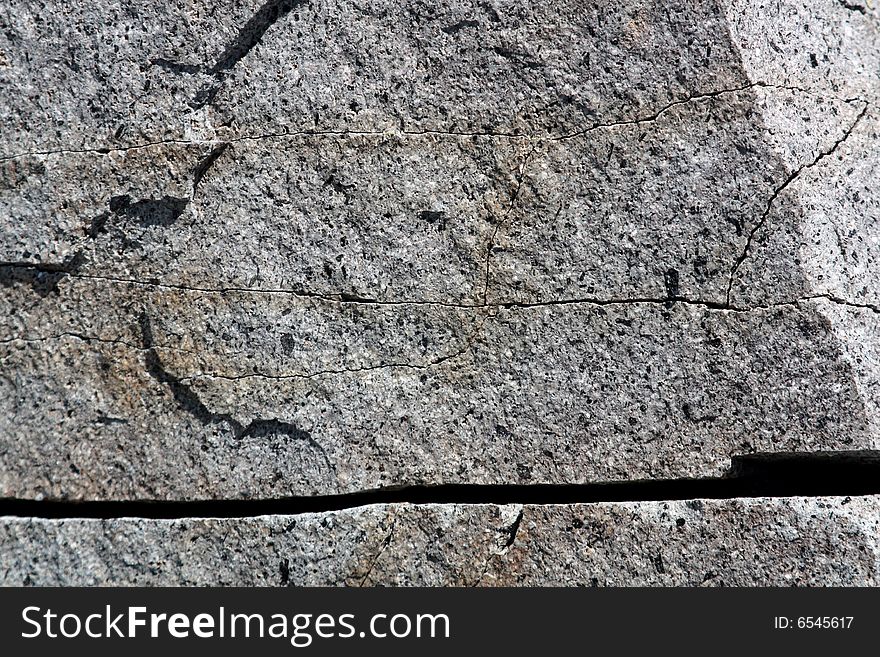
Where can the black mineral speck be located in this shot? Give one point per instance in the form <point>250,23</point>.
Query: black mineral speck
<point>434,217</point>
<point>673,291</point>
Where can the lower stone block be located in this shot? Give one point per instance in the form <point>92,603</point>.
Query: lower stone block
<point>755,541</point>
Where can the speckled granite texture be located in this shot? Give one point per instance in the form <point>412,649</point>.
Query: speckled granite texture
<point>779,542</point>
<point>254,250</point>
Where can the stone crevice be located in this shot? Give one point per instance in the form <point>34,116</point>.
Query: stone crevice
<point>758,475</point>
<point>190,402</point>
<point>345,299</point>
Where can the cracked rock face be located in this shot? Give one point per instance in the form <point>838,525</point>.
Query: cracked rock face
<point>296,248</point>
<point>499,258</point>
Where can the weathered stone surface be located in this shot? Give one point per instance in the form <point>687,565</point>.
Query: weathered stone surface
<point>289,65</point>
<point>283,248</point>
<point>191,394</point>
<point>303,248</point>
<point>788,541</point>
<point>598,216</point>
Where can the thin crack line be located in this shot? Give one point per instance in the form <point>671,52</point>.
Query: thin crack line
<point>874,308</point>
<point>684,101</point>
<point>396,133</point>
<point>343,299</point>
<point>218,139</point>
<point>469,344</point>
<point>658,113</point>
<point>708,305</point>
<point>456,133</point>
<point>385,543</point>
<point>779,190</point>
<point>319,373</point>
<point>92,338</point>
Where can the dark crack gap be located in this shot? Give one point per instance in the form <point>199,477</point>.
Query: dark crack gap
<point>246,40</point>
<point>818,474</point>
<point>189,402</point>
<point>853,6</point>
<point>203,166</point>
<point>42,277</point>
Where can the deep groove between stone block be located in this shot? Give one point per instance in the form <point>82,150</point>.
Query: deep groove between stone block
<point>816,474</point>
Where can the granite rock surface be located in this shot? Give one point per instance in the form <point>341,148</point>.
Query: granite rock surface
<point>293,248</point>
<point>259,256</point>
<point>746,542</point>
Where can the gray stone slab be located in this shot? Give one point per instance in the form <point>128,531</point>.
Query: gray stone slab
<point>746,542</point>
<point>598,216</point>
<point>119,390</point>
<point>250,68</point>
<point>292,249</point>
<point>285,65</point>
